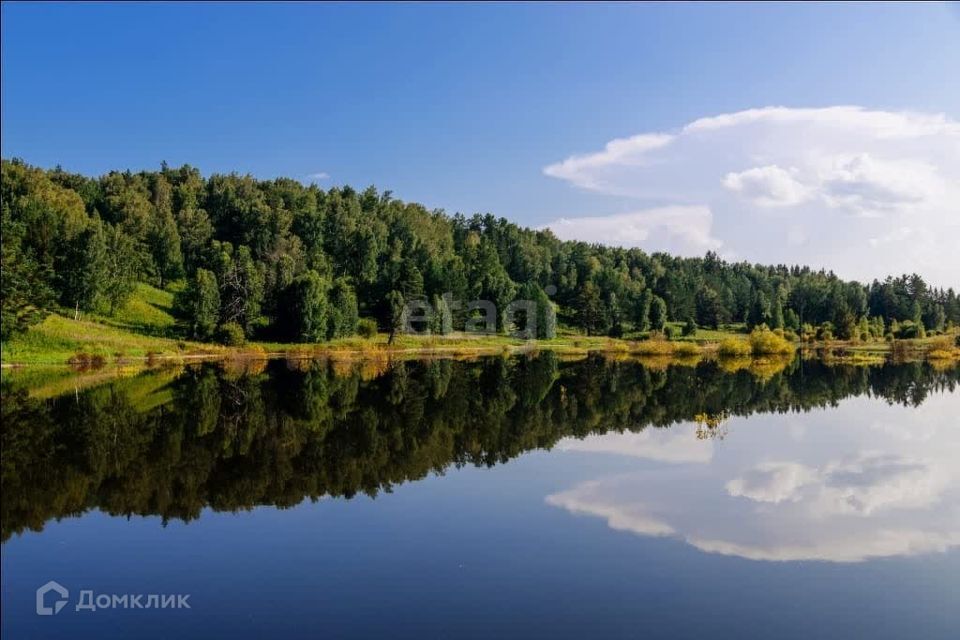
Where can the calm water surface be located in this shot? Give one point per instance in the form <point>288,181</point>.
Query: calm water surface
<point>525,497</point>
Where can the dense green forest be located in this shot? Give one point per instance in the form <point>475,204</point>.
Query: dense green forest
<point>280,260</point>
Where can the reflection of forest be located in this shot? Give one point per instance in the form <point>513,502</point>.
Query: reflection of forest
<point>170,446</point>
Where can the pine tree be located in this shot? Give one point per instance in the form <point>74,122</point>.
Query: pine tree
<point>81,268</point>
<point>442,317</point>
<point>614,319</point>
<point>791,321</point>
<point>710,311</point>
<point>546,315</point>
<point>306,308</point>
<point>658,314</point>
<point>202,304</point>
<point>411,281</point>
<point>863,328</point>
<point>590,312</point>
<point>641,319</point>
<point>343,314</point>
<point>938,318</point>
<point>760,311</point>
<point>120,268</point>
<point>395,306</point>
<point>241,287</point>
<point>24,293</point>
<point>195,231</point>
<point>918,319</point>
<point>877,327</point>
<point>846,325</point>
<point>164,242</point>
<point>776,319</point>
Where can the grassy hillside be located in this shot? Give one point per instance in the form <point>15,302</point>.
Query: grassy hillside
<point>143,326</point>
<point>149,311</point>
<point>58,339</point>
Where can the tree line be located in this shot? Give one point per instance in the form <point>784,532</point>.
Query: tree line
<point>282,260</point>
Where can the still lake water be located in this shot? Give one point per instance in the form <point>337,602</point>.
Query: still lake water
<point>523,497</point>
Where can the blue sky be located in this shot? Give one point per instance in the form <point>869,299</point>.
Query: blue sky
<point>464,106</point>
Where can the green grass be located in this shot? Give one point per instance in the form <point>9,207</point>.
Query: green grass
<point>703,334</point>
<point>58,339</point>
<point>149,310</point>
<point>144,325</point>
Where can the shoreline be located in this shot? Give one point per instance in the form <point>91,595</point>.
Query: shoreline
<point>461,346</point>
<point>93,344</point>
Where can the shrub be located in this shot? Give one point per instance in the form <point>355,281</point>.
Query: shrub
<point>764,342</point>
<point>670,332</point>
<point>84,361</point>
<point>941,343</point>
<point>943,348</point>
<point>654,347</point>
<point>910,330</point>
<point>734,348</point>
<point>231,334</point>
<point>690,327</point>
<point>825,331</point>
<point>367,328</point>
<point>686,349</point>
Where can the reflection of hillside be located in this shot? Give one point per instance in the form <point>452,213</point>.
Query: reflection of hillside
<point>50,382</point>
<point>236,438</point>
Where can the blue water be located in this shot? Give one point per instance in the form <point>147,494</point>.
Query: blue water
<point>838,522</point>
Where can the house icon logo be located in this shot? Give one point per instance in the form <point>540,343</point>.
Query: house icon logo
<point>59,603</point>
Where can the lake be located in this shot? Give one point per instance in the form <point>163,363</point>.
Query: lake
<point>530,496</point>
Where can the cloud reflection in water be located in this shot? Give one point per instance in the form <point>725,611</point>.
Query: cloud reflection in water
<point>841,485</point>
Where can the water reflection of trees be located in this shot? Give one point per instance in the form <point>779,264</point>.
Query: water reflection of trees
<point>235,438</point>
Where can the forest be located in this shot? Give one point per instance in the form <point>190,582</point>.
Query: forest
<point>281,260</point>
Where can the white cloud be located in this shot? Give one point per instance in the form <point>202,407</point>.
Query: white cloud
<point>841,175</point>
<point>768,186</point>
<point>796,235</point>
<point>682,229</point>
<point>321,175</point>
<point>844,119</point>
<point>622,151</point>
